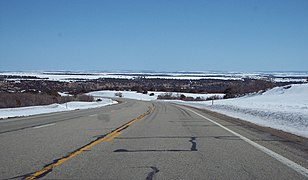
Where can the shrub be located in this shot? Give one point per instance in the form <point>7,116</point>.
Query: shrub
<point>213,97</point>
<point>182,96</point>
<point>118,94</point>
<point>165,96</point>
<point>12,100</point>
<point>169,96</point>
<point>85,98</point>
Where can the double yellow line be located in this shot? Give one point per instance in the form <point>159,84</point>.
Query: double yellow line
<point>107,138</point>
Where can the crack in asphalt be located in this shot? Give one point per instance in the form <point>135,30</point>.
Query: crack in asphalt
<point>192,141</point>
<point>193,144</point>
<point>151,174</point>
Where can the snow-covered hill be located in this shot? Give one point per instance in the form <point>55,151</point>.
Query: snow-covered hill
<point>284,108</point>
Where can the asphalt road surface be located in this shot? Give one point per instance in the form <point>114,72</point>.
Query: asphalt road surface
<point>147,140</point>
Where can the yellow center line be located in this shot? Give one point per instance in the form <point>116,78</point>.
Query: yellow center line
<point>107,138</point>
<point>112,137</point>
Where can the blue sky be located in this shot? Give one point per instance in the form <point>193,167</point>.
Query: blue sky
<point>159,35</point>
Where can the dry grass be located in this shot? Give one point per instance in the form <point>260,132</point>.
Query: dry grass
<point>12,100</point>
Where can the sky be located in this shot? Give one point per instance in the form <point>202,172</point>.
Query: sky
<point>156,35</point>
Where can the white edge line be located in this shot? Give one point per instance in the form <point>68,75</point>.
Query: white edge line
<point>45,125</point>
<point>298,168</point>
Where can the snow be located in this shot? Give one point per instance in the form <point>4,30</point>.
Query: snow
<point>33,110</point>
<point>284,108</point>
<point>125,94</point>
<point>146,97</point>
<point>64,94</point>
<point>73,76</point>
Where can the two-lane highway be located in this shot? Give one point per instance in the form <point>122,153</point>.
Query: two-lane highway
<point>146,140</point>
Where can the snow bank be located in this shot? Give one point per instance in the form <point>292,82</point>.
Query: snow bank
<point>33,110</point>
<point>284,108</point>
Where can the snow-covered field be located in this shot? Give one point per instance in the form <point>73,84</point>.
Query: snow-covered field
<point>71,76</point>
<point>33,110</point>
<point>147,97</point>
<point>284,108</point>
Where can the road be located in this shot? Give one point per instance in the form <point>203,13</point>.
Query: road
<point>147,140</point>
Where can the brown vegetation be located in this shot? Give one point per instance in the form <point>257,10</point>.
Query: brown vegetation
<point>40,91</point>
<point>143,85</point>
<point>247,86</point>
<point>178,96</point>
<point>11,100</point>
